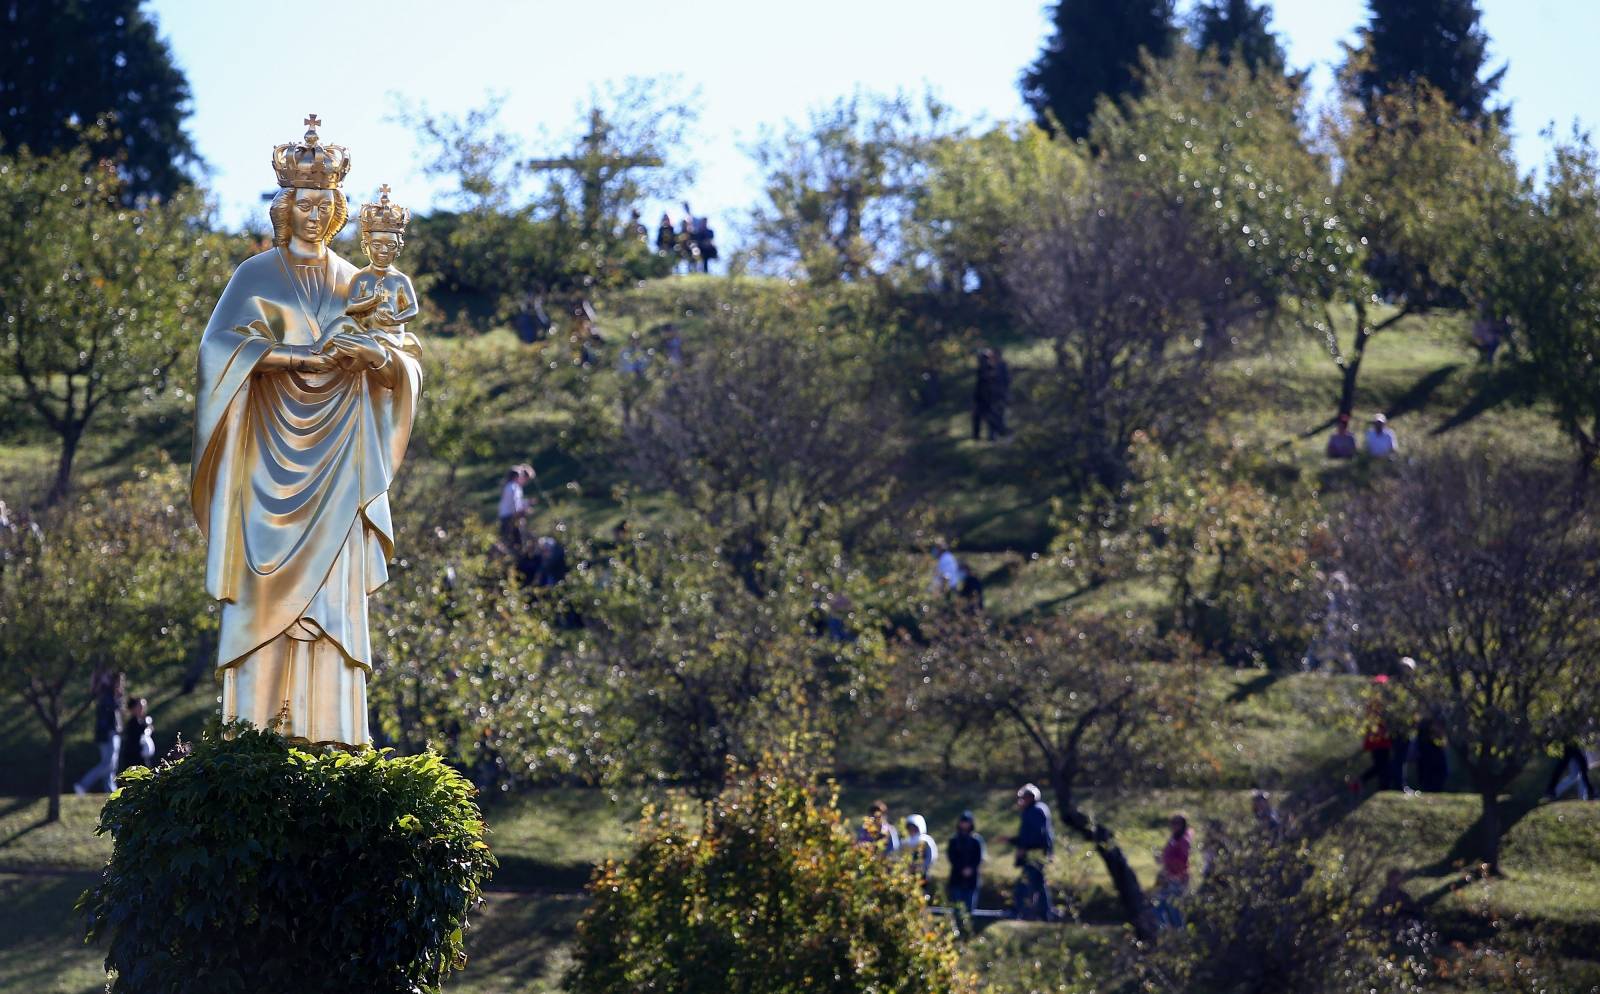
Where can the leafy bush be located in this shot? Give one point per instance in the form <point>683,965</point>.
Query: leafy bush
<point>252,865</point>
<point>770,894</point>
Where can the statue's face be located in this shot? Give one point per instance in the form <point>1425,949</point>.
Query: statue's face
<point>383,247</point>
<point>312,214</point>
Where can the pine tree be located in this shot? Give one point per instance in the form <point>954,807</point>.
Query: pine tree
<point>1441,41</point>
<point>1240,29</point>
<point>64,64</point>
<point>1093,52</point>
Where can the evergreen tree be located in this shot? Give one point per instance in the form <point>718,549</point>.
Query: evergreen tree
<point>1240,28</point>
<point>64,64</point>
<point>1441,41</point>
<point>1094,51</point>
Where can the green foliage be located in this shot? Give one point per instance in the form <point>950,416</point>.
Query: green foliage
<point>699,664</point>
<point>979,191</point>
<point>1285,917</point>
<point>1093,53</point>
<point>75,62</point>
<point>769,893</point>
<point>254,865</point>
<point>838,189</point>
<point>100,301</point>
<point>112,583</point>
<point>1549,287</point>
<point>1233,540</point>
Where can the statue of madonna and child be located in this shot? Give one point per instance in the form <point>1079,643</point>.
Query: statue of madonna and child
<point>308,386</point>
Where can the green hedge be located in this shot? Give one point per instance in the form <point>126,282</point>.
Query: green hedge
<point>253,865</point>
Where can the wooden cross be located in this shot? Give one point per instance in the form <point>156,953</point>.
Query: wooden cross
<point>594,168</point>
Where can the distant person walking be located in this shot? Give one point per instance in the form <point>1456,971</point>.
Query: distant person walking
<point>666,238</point>
<point>965,853</point>
<point>951,576</point>
<point>703,239</point>
<point>1342,444</point>
<point>990,393</point>
<point>1431,756</point>
<point>878,831</point>
<point>1172,880</point>
<point>920,849</point>
<point>1571,775</point>
<point>1035,843</point>
<point>1380,439</point>
<point>108,689</point>
<point>1269,823</point>
<point>514,505</point>
<point>138,746</point>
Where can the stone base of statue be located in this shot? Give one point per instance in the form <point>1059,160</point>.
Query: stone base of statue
<point>253,864</point>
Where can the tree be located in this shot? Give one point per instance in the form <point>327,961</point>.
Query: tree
<point>1406,43</point>
<point>1094,52</point>
<point>111,585</point>
<point>765,428</point>
<point>1239,29</point>
<point>1483,572</point>
<point>1136,316</point>
<point>1311,236</point>
<point>979,191</point>
<point>838,189</point>
<point>700,668</point>
<point>767,893</point>
<point>99,301</point>
<point>65,65</point>
<point>1232,539</point>
<point>1086,698</point>
<point>1548,286</point>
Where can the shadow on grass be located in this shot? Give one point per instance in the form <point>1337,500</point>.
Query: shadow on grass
<point>1258,685</point>
<point>1499,386</point>
<point>1469,846</point>
<point>1417,396</point>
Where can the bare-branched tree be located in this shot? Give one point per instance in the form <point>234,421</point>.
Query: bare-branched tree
<point>1488,577</point>
<point>1136,314</point>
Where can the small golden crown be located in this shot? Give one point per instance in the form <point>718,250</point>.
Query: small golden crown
<point>383,215</point>
<point>309,164</point>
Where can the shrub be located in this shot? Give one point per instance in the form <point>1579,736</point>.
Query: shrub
<point>253,865</point>
<point>770,894</point>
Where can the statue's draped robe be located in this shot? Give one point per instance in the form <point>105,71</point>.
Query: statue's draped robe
<point>290,484</point>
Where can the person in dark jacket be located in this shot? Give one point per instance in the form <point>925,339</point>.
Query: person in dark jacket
<point>138,737</point>
<point>965,853</point>
<point>108,689</point>
<point>990,393</point>
<point>1035,843</point>
<point>1428,751</point>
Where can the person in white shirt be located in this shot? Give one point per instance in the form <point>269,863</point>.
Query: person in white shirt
<point>948,576</point>
<point>514,505</point>
<point>1380,440</point>
<point>919,847</point>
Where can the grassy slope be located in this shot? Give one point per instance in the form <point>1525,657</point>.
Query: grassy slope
<point>1279,732</point>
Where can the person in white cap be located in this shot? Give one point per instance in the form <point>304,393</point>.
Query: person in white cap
<point>1380,440</point>
<point>919,847</point>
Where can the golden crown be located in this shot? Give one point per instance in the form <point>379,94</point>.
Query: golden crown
<point>310,165</point>
<point>383,215</point>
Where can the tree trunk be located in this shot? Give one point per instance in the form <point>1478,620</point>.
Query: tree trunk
<point>1490,823</point>
<point>69,451</point>
<point>58,758</point>
<point>1130,895</point>
<point>1351,369</point>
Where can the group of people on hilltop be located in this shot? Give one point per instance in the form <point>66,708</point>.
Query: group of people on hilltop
<point>966,853</point>
<point>123,732</point>
<point>692,241</point>
<point>1379,441</point>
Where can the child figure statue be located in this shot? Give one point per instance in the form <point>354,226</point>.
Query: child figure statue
<point>381,297</point>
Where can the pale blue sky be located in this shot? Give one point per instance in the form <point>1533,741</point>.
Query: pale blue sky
<point>257,69</point>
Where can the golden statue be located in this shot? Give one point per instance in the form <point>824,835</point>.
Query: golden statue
<point>307,391</point>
